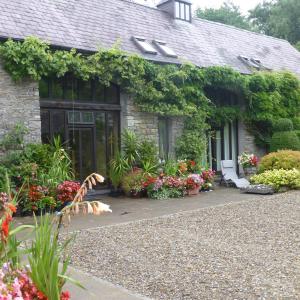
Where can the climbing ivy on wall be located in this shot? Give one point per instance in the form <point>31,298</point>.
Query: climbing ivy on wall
<point>164,89</point>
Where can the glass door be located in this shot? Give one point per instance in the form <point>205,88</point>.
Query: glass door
<point>82,150</point>
<point>223,145</point>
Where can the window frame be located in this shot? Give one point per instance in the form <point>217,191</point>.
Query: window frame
<point>183,11</point>
<point>115,101</point>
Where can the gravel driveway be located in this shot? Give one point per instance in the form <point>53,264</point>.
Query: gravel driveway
<point>249,250</point>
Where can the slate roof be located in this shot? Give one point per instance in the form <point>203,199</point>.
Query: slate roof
<point>90,24</point>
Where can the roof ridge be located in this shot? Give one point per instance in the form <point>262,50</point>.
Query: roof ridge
<point>143,5</point>
<point>239,29</point>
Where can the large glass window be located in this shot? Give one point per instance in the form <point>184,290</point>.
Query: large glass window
<point>69,88</point>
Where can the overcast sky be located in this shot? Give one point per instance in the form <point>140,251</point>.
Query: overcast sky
<point>245,5</point>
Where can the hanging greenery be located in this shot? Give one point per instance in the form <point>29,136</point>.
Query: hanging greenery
<point>171,90</point>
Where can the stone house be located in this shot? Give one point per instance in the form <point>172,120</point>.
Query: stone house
<point>90,117</point>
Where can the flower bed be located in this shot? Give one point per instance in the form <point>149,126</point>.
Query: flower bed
<point>175,180</point>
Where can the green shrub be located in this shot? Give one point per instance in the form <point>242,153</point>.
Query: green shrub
<point>298,133</point>
<point>278,179</point>
<point>284,140</point>
<point>132,182</point>
<point>283,159</point>
<point>296,123</point>
<point>148,152</point>
<point>283,125</point>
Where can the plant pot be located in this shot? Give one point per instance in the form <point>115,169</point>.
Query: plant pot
<point>193,192</point>
<point>250,171</point>
<point>116,192</point>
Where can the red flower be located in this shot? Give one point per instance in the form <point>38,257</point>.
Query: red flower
<point>67,190</point>
<point>5,227</point>
<point>41,296</point>
<point>192,163</point>
<point>65,295</point>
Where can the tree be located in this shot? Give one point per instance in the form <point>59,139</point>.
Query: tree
<point>228,13</point>
<point>279,18</point>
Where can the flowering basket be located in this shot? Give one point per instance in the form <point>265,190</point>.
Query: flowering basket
<point>247,160</point>
<point>194,183</point>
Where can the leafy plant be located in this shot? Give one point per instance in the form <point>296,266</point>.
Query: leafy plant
<point>119,166</point>
<point>283,159</point>
<point>48,260</point>
<point>147,152</point>
<point>60,167</point>
<point>130,146</point>
<point>14,139</point>
<point>132,182</point>
<point>170,167</point>
<point>278,178</point>
<point>192,143</point>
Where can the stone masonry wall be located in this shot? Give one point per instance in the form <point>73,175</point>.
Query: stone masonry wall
<point>19,103</point>
<point>144,124</point>
<point>176,131</point>
<point>246,142</point>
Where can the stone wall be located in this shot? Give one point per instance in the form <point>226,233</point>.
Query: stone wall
<point>19,103</point>
<point>176,125</point>
<point>246,142</point>
<point>144,124</point>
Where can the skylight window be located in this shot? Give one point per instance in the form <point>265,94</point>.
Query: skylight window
<point>259,63</point>
<point>144,46</point>
<point>249,62</point>
<point>164,49</point>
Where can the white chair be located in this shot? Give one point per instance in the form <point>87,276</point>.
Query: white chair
<point>229,175</point>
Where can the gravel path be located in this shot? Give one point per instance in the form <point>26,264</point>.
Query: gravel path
<point>248,250</point>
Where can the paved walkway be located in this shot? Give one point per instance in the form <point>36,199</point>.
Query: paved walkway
<point>128,209</point>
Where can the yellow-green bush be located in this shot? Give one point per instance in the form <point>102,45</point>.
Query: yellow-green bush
<point>278,178</point>
<point>282,159</point>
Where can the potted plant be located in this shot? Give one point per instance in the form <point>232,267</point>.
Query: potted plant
<point>133,183</point>
<point>248,162</point>
<point>193,184</point>
<point>208,178</point>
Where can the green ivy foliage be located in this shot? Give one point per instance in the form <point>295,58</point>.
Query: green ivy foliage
<point>173,90</point>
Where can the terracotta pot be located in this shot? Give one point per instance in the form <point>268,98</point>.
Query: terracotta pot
<point>193,192</point>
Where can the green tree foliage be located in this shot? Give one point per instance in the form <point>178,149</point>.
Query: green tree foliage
<point>228,13</point>
<point>280,18</point>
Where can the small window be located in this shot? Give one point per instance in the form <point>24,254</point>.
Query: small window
<point>77,117</point>
<point>183,11</point>
<point>73,117</point>
<point>144,46</point>
<point>167,51</point>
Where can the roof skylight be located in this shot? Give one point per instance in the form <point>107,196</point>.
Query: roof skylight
<point>249,62</point>
<point>143,45</point>
<point>164,49</point>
